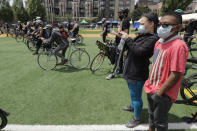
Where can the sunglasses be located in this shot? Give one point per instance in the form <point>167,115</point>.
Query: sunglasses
<point>166,25</point>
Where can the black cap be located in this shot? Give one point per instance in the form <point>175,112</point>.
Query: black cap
<point>126,11</point>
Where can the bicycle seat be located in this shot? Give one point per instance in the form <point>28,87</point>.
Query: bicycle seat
<point>192,60</point>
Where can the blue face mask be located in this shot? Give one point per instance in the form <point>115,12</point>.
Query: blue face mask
<point>142,29</point>
<point>164,32</point>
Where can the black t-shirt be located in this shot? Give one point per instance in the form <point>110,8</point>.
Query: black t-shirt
<point>125,25</point>
<point>105,26</point>
<point>69,26</point>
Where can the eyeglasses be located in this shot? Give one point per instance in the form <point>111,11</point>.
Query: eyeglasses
<point>166,25</point>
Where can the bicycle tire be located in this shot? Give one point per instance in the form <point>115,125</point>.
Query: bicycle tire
<point>47,60</point>
<point>79,58</point>
<point>4,121</point>
<point>98,60</point>
<point>31,45</point>
<point>188,91</point>
<point>19,38</point>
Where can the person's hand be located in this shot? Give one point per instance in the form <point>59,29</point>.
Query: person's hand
<point>156,98</point>
<point>42,38</point>
<point>124,35</point>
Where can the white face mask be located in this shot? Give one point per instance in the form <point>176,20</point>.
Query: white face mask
<point>164,32</point>
<point>142,29</point>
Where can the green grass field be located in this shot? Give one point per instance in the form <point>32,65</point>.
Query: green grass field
<point>65,96</point>
<point>98,31</point>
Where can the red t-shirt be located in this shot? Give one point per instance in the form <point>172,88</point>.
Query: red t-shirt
<point>168,57</point>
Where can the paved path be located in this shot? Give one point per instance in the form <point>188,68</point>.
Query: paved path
<point>91,127</point>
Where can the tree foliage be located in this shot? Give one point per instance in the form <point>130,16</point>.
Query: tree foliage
<point>171,5</point>
<point>20,12</point>
<point>138,12</point>
<point>36,9</point>
<point>6,13</point>
<point>69,16</point>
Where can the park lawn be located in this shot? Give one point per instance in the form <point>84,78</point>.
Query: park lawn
<point>65,96</point>
<point>99,31</point>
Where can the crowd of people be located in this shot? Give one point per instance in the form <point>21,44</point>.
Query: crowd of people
<point>157,38</point>
<point>46,33</point>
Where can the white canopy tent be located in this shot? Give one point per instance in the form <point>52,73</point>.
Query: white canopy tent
<point>188,17</point>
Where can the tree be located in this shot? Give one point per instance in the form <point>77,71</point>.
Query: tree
<point>6,13</point>
<point>69,16</point>
<point>171,5</point>
<point>138,12</point>
<point>20,12</point>
<point>36,9</point>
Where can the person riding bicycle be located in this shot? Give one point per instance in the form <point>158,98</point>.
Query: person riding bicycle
<point>39,33</point>
<point>75,29</point>
<point>61,38</point>
<point>19,26</point>
<point>124,26</point>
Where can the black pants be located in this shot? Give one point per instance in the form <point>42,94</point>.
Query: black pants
<point>120,64</point>
<point>158,112</point>
<point>38,45</point>
<point>59,48</point>
<point>104,37</point>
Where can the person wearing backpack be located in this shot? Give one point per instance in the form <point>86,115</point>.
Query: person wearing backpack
<point>61,38</point>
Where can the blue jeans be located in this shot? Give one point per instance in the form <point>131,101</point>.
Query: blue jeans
<point>135,89</point>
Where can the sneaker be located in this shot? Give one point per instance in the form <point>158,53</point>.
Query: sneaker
<point>110,76</point>
<point>133,123</point>
<point>128,108</point>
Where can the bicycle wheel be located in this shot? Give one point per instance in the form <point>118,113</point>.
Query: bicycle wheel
<point>97,61</point>
<point>19,37</point>
<point>79,58</point>
<point>3,120</point>
<point>188,90</point>
<point>31,45</point>
<point>80,39</point>
<point>47,60</point>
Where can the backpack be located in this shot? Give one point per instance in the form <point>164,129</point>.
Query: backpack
<point>64,33</point>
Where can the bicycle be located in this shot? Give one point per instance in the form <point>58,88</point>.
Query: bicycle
<point>77,57</point>
<point>188,91</point>
<point>99,58</point>
<point>3,117</point>
<point>19,36</point>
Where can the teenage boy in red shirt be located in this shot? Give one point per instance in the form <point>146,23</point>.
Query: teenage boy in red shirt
<point>170,57</point>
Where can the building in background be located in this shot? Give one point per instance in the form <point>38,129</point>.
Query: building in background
<point>192,8</point>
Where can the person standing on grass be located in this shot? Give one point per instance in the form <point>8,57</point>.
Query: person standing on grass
<point>105,27</point>
<point>124,26</point>
<point>170,57</point>
<point>7,29</point>
<point>136,66</point>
